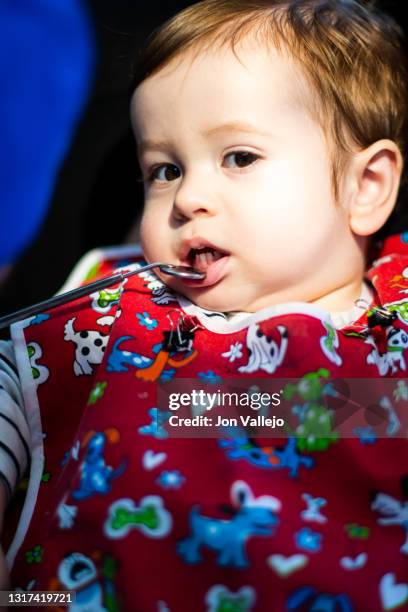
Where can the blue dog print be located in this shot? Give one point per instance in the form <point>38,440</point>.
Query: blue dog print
<point>119,359</point>
<point>271,459</point>
<point>228,538</point>
<point>96,476</point>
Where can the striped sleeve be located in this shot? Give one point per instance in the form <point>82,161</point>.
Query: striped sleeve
<point>14,431</point>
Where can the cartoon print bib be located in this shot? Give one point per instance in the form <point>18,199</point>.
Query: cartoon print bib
<point>133,519</point>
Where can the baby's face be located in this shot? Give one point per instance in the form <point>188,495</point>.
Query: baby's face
<point>238,181</point>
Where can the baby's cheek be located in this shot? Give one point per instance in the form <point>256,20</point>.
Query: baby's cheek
<point>147,232</point>
<point>154,241</point>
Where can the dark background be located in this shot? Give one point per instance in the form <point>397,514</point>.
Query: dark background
<point>97,199</point>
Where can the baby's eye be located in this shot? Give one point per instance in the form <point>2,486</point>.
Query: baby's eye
<point>164,173</point>
<point>240,159</point>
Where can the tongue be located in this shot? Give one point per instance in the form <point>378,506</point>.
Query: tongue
<point>201,264</point>
<point>204,258</point>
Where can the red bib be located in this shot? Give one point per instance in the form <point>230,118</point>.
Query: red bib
<point>132,518</point>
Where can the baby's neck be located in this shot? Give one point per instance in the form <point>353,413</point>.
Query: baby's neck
<point>338,301</point>
<point>343,306</point>
<point>341,299</point>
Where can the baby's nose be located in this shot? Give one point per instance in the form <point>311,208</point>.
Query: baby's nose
<point>194,198</point>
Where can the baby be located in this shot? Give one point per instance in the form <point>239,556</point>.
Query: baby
<point>269,154</point>
<point>269,136</point>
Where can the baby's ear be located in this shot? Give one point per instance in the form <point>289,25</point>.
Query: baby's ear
<point>375,173</point>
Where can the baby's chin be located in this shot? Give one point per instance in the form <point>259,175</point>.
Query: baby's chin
<point>216,300</point>
<point>225,296</point>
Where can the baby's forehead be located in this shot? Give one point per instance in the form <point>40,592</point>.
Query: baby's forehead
<point>242,53</point>
<point>221,75</point>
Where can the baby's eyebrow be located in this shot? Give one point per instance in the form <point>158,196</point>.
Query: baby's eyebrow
<point>234,126</point>
<point>230,126</point>
<point>155,145</point>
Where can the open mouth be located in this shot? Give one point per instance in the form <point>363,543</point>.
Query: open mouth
<point>204,257</point>
<point>201,259</point>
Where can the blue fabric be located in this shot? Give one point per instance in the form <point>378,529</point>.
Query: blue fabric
<point>46,60</point>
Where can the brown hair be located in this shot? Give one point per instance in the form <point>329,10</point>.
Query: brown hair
<point>351,54</point>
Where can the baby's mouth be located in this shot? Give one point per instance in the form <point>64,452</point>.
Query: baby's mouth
<point>201,259</point>
<point>204,257</point>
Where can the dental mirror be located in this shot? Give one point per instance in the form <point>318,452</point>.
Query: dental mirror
<point>182,272</point>
<point>63,298</point>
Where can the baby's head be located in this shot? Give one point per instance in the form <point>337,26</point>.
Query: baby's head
<point>269,137</point>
